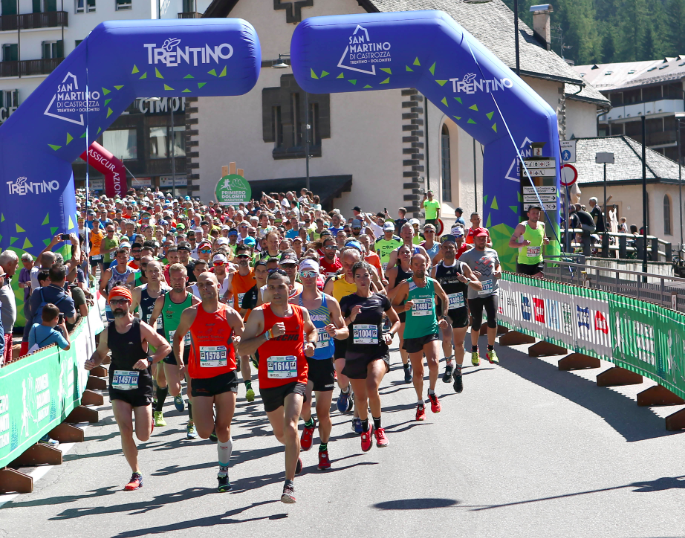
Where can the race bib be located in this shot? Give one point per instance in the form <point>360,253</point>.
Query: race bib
<point>97,258</point>
<point>213,356</point>
<point>284,367</point>
<point>323,339</point>
<point>365,334</point>
<point>186,338</point>
<point>422,307</point>
<point>125,379</point>
<point>456,300</point>
<point>241,296</point>
<point>533,252</point>
<point>487,287</point>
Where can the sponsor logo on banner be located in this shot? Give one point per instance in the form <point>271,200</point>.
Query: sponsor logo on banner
<point>70,101</point>
<point>644,339</point>
<point>583,315</point>
<point>4,421</point>
<point>525,308</point>
<point>553,317</point>
<point>567,316</point>
<point>23,187</point>
<point>539,310</point>
<point>469,85</point>
<point>362,52</point>
<point>173,55</point>
<point>601,323</point>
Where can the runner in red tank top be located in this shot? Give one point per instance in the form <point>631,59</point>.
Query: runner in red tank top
<point>276,329</point>
<point>215,330</point>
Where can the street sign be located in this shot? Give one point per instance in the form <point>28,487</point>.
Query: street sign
<point>569,175</point>
<point>568,151</point>
<point>543,198</point>
<point>541,172</point>
<point>604,157</point>
<point>544,189</point>
<point>546,207</point>
<point>540,163</point>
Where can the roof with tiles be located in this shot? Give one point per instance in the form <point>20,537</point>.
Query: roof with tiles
<point>628,157</point>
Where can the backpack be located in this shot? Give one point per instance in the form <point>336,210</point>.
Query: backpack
<point>38,315</point>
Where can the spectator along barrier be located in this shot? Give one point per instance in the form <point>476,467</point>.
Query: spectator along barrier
<point>38,393</point>
<point>639,338</point>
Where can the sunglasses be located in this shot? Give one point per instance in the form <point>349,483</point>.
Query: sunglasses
<point>330,247</point>
<point>218,264</point>
<point>3,275</point>
<point>205,251</point>
<point>309,274</point>
<point>242,256</point>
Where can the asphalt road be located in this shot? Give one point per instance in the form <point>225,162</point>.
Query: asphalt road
<point>525,450</point>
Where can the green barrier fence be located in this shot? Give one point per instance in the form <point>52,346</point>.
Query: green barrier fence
<point>39,391</point>
<point>642,337</point>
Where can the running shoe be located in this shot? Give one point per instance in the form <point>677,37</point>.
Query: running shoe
<point>213,437</point>
<point>420,412</point>
<point>307,437</point>
<point>475,358</point>
<point>492,357</point>
<point>381,439</point>
<point>447,377</point>
<point>136,482</point>
<point>350,404</point>
<point>224,483</point>
<point>255,362</point>
<point>190,431</point>
<point>298,469</point>
<point>357,425</point>
<point>407,375</point>
<point>324,462</point>
<point>288,496</point>
<point>435,403</point>
<point>249,395</point>
<point>458,384</point>
<point>344,401</point>
<point>159,419</point>
<point>179,404</point>
<point>47,440</point>
<point>367,439</point>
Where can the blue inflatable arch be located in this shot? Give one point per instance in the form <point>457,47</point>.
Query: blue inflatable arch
<point>116,63</point>
<point>429,51</point>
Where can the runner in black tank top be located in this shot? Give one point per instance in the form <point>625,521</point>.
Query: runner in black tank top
<point>395,276</point>
<point>130,379</point>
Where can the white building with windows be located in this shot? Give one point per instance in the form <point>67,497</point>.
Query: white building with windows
<point>36,35</point>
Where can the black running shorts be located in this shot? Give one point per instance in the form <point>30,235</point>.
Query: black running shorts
<point>321,373</point>
<point>275,397</point>
<point>211,386</point>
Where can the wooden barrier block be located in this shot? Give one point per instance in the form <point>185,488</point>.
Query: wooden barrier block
<point>38,454</point>
<point>107,360</point>
<point>616,377</point>
<point>12,480</point>
<point>578,361</point>
<point>501,329</point>
<point>676,421</point>
<point>658,395</point>
<point>99,371</point>
<point>544,349</point>
<point>90,397</point>
<point>96,383</point>
<point>83,414</point>
<point>515,338</point>
<point>66,433</point>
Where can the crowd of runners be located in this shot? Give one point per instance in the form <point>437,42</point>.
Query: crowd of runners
<point>200,296</point>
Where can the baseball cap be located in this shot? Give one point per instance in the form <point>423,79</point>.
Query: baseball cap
<point>203,243</point>
<point>356,223</point>
<point>448,238</point>
<point>357,208</point>
<point>355,244</point>
<point>184,246</point>
<point>482,232</point>
<point>457,231</point>
<point>309,264</point>
<point>296,238</point>
<point>414,222</point>
<point>288,258</point>
<point>219,258</point>
<point>249,241</point>
<point>222,241</point>
<point>388,227</point>
<point>233,232</point>
<point>125,245</point>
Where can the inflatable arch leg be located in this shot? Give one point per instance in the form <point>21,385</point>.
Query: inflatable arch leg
<point>429,51</point>
<point>112,168</point>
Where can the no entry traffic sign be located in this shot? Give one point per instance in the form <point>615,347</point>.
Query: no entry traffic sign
<point>568,174</point>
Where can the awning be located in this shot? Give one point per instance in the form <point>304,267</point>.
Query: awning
<point>328,188</point>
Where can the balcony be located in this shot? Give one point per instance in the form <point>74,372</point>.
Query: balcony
<point>26,68</point>
<point>190,15</point>
<point>30,21</point>
<point>664,138</point>
<point>663,106</point>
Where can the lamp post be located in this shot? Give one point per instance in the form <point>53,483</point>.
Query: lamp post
<point>173,147</point>
<point>605,158</point>
<point>678,117</point>
<point>280,64</point>
<point>644,197</point>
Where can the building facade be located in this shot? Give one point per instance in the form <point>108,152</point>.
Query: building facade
<point>377,149</point>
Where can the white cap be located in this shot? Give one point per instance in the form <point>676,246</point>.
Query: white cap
<point>219,258</point>
<point>222,241</point>
<point>388,227</point>
<point>414,222</point>
<point>309,264</point>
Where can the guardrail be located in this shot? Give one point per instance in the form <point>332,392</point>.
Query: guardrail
<point>39,391</point>
<point>638,337</point>
<point>624,245</point>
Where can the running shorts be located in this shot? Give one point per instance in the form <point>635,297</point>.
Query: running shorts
<point>358,368</point>
<point>275,398</point>
<point>211,386</point>
<point>322,374</point>
<point>414,345</point>
<point>476,307</point>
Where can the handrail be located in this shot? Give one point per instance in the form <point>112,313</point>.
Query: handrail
<point>612,270</point>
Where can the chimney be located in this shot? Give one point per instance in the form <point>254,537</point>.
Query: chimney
<point>542,24</point>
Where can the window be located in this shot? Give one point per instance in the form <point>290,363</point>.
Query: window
<point>10,53</point>
<point>446,165</point>
<point>9,98</point>
<point>667,215</point>
<point>9,7</point>
<point>53,49</point>
<point>277,127</point>
<point>160,142</point>
<point>84,6</point>
<point>123,143</point>
<point>178,140</point>
<point>121,5</point>
<point>189,6</point>
<point>78,42</point>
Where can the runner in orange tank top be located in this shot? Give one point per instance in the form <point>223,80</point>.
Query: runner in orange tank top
<point>215,330</point>
<point>276,329</point>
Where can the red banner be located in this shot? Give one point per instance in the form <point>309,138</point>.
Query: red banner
<point>112,168</point>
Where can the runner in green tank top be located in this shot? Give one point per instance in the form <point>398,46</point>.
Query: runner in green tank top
<point>421,335</point>
<point>529,238</point>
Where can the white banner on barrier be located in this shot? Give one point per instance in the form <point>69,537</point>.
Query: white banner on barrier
<point>592,326</point>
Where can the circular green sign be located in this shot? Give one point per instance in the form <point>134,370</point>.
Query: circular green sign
<point>232,190</point>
